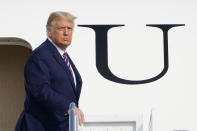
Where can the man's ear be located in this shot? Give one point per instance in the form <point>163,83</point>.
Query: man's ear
<point>48,32</point>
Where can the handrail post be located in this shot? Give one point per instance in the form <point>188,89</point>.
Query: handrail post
<point>73,125</point>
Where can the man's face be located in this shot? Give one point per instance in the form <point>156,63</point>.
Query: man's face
<point>61,32</point>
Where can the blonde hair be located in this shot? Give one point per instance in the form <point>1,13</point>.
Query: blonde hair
<point>59,14</point>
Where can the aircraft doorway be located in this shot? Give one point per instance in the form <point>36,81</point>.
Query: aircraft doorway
<point>13,55</point>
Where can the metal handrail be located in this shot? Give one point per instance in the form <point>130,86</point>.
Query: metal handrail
<point>73,120</point>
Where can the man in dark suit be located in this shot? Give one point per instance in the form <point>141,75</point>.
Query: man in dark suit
<point>52,81</point>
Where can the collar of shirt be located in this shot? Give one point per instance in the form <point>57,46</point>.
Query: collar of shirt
<point>59,50</point>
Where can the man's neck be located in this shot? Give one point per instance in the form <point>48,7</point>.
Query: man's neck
<point>60,50</point>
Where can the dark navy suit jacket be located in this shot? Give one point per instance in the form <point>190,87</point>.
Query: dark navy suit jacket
<point>49,91</point>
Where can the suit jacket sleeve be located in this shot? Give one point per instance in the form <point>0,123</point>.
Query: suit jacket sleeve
<point>37,76</point>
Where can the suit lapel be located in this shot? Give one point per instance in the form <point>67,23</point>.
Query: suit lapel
<point>59,59</point>
<point>78,77</point>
